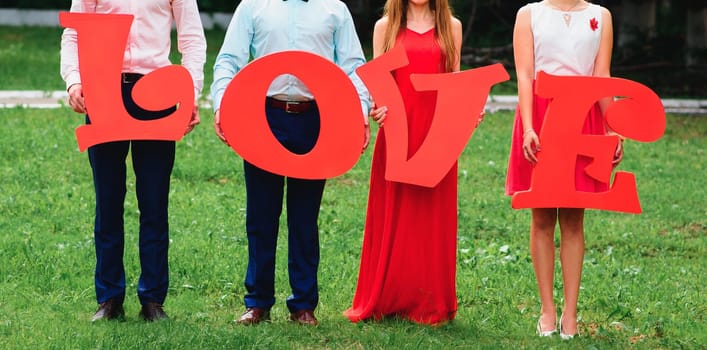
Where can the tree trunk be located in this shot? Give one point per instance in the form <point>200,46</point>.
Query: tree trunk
<point>470,21</point>
<point>637,21</point>
<point>364,15</point>
<point>696,36</point>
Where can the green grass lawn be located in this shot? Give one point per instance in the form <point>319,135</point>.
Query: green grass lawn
<point>643,282</point>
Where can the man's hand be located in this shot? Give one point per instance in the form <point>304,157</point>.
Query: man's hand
<point>217,127</point>
<point>366,137</point>
<point>195,120</point>
<point>76,100</point>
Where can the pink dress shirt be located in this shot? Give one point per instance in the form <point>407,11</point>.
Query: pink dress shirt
<point>149,40</point>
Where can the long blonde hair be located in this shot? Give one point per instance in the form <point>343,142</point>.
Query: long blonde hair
<point>396,10</point>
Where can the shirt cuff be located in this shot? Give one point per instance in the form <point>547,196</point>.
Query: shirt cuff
<point>365,108</point>
<point>72,79</point>
<point>197,94</point>
<point>216,104</point>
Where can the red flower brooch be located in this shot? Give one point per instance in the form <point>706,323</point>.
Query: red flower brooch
<point>594,24</point>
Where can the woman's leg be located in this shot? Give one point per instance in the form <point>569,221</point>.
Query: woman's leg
<point>571,258</point>
<point>542,251</point>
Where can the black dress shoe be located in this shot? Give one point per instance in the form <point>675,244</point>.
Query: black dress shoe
<point>152,312</point>
<point>253,316</point>
<point>112,309</point>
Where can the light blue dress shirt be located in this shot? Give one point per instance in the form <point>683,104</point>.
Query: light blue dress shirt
<point>261,27</point>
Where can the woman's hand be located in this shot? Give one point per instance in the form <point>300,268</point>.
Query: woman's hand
<point>378,114</point>
<point>481,118</point>
<point>531,145</point>
<point>619,153</point>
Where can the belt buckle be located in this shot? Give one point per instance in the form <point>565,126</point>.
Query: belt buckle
<point>291,103</point>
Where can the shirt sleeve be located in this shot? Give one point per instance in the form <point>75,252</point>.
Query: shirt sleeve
<point>69,65</point>
<point>348,55</point>
<point>191,41</point>
<point>234,53</point>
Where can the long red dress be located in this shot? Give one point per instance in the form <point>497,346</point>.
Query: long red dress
<point>408,261</point>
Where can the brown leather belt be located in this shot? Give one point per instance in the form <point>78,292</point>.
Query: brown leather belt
<point>129,78</point>
<point>291,106</point>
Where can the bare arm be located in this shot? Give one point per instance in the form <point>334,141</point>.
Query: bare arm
<point>379,36</point>
<point>602,68</point>
<point>602,63</point>
<point>457,37</point>
<point>378,113</point>
<point>524,55</point>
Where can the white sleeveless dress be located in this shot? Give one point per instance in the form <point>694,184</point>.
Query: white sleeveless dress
<point>565,43</point>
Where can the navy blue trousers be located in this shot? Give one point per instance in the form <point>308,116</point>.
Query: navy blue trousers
<point>152,163</point>
<point>298,133</point>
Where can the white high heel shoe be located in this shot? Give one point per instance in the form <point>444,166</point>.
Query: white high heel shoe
<point>543,333</point>
<point>565,336</point>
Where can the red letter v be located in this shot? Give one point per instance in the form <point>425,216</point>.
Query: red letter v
<point>461,97</point>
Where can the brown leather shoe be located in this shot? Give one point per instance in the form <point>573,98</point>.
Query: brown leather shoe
<point>305,317</point>
<point>151,312</point>
<point>253,316</point>
<point>112,309</point>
